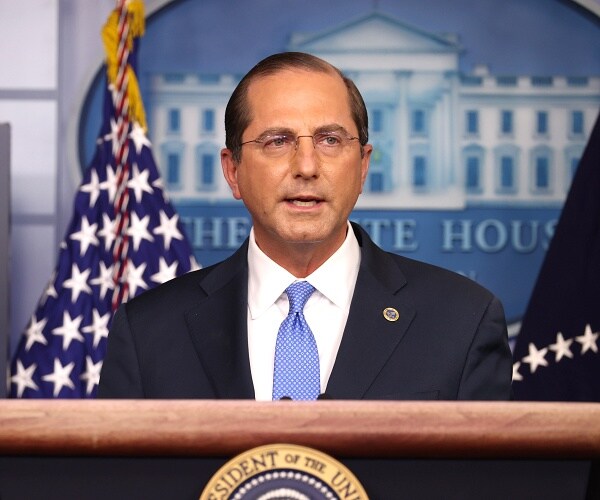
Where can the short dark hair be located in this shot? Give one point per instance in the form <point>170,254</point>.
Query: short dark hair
<point>237,112</point>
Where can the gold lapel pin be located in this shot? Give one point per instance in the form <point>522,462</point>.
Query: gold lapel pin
<point>391,314</point>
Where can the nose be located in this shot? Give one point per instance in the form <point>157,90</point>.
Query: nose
<point>312,139</point>
<point>305,162</point>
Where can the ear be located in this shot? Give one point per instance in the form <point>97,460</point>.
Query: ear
<point>364,163</point>
<point>230,171</point>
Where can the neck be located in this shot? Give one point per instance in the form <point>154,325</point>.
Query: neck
<point>301,259</point>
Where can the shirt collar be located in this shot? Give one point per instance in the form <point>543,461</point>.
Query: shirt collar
<point>266,279</point>
<point>335,278</point>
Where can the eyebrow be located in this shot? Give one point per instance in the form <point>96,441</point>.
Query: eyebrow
<point>332,127</point>
<point>276,131</point>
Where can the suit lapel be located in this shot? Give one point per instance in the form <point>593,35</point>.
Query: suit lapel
<point>219,330</point>
<point>369,337</point>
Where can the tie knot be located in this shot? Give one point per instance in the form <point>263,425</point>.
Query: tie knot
<point>298,293</point>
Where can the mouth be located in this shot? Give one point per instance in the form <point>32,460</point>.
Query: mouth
<point>304,201</point>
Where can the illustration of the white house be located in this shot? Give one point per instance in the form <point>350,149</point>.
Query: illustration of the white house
<point>442,139</point>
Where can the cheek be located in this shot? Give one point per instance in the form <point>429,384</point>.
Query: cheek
<point>255,187</point>
<point>352,183</point>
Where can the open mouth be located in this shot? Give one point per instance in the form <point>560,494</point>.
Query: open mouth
<point>304,203</point>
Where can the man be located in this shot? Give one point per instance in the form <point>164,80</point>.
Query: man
<point>377,325</point>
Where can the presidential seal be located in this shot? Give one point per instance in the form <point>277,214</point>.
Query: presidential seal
<point>283,472</point>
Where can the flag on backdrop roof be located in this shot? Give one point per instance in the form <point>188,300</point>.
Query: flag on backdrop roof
<point>556,353</point>
<point>124,238</point>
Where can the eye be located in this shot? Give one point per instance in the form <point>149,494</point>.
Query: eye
<point>329,139</point>
<point>277,141</point>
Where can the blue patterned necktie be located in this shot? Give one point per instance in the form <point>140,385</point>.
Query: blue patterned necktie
<point>296,372</point>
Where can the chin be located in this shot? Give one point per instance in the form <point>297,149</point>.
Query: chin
<point>302,238</point>
<point>309,236</point>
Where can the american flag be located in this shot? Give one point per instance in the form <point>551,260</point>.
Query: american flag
<point>557,355</point>
<point>124,238</point>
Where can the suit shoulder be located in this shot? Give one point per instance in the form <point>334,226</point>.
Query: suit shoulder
<point>418,275</point>
<point>423,274</point>
<point>180,289</point>
<point>188,288</point>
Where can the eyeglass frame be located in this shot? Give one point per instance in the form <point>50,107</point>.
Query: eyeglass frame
<point>262,139</point>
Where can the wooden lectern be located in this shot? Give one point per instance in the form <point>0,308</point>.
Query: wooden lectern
<point>170,449</point>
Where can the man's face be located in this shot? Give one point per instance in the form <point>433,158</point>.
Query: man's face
<point>303,197</point>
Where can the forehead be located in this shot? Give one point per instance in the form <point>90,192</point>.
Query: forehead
<point>292,97</point>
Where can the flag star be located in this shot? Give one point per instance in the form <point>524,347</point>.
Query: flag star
<point>91,375</point>
<point>69,330</point>
<point>194,266</point>
<point>77,282</point>
<point>536,357</point>
<point>138,229</point>
<point>50,290</point>
<point>86,235</point>
<point>93,187</point>
<point>24,378</point>
<point>159,185</point>
<point>139,138</point>
<point>168,228</point>
<point>134,278</point>
<point>99,327</point>
<point>34,332</point>
<point>108,231</point>
<point>588,340</point>
<point>110,184</point>
<point>113,136</point>
<point>516,376</point>
<point>139,183</point>
<point>165,272</point>
<point>562,347</point>
<point>104,279</point>
<point>61,376</point>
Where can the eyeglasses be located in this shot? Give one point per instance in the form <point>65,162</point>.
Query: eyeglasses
<point>330,144</point>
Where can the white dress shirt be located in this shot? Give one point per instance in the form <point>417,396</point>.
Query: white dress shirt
<point>326,311</point>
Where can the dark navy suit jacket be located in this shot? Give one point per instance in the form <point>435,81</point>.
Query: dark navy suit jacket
<point>188,337</point>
